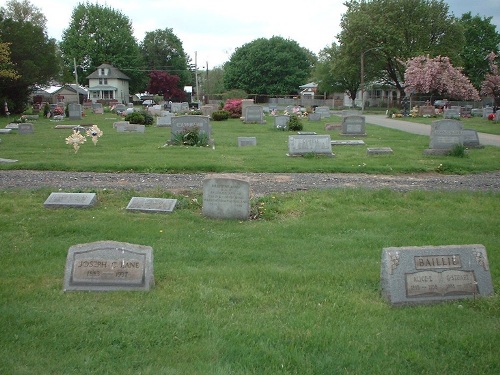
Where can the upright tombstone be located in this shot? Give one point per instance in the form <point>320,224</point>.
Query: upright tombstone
<point>452,113</point>
<point>487,111</point>
<point>281,122</point>
<point>175,107</point>
<point>431,274</point>
<point>426,110</point>
<point>299,145</point>
<point>75,111</point>
<point>323,111</point>
<point>471,138</point>
<point>445,134</point>
<point>314,117</point>
<point>207,110</point>
<point>254,114</point>
<point>476,112</point>
<point>109,266</point>
<point>247,141</point>
<point>226,197</point>
<point>497,116</point>
<point>25,128</point>
<point>70,200</point>
<point>244,104</point>
<point>164,120</point>
<point>97,108</point>
<point>353,126</point>
<point>181,123</point>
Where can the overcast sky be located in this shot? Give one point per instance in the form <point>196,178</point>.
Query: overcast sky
<point>214,29</point>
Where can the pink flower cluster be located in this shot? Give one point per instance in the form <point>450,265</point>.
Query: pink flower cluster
<point>425,75</point>
<point>233,106</point>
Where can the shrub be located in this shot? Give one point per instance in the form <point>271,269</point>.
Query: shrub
<point>135,118</point>
<point>148,117</point>
<point>233,106</point>
<point>190,136</point>
<point>220,115</point>
<point>295,123</point>
<point>46,109</point>
<point>392,112</point>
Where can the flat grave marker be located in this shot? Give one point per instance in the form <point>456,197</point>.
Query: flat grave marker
<point>109,266</point>
<point>70,200</point>
<point>226,197</point>
<point>350,142</point>
<point>151,205</point>
<point>8,160</point>
<point>431,274</point>
<point>299,145</point>
<point>130,128</point>
<point>379,151</point>
<point>5,131</point>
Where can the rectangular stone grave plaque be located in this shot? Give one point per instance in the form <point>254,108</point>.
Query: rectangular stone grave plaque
<point>314,116</point>
<point>226,197</point>
<point>353,125</point>
<point>76,200</point>
<point>445,134</point>
<point>109,266</point>
<point>179,123</point>
<point>470,138</point>
<point>7,160</point>
<point>379,150</point>
<point>175,107</point>
<point>307,133</point>
<point>165,120</point>
<point>207,110</point>
<point>476,112</point>
<point>247,141</point>
<point>430,274</point>
<point>347,112</point>
<point>97,108</point>
<point>452,113</point>
<point>75,111</point>
<point>5,131</point>
<point>487,111</point>
<point>151,205</point>
<point>351,142</point>
<point>323,111</point>
<point>118,123</point>
<point>25,128</point>
<point>12,125</point>
<point>281,122</point>
<point>254,114</point>
<point>309,144</point>
<point>130,128</point>
<point>426,110</point>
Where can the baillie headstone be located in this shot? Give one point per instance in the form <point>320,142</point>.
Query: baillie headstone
<point>25,128</point>
<point>109,266</point>
<point>247,141</point>
<point>430,274</point>
<point>353,126</point>
<point>299,145</point>
<point>151,205</point>
<point>226,197</point>
<point>72,200</point>
<point>181,123</point>
<point>75,111</point>
<point>254,114</point>
<point>445,134</point>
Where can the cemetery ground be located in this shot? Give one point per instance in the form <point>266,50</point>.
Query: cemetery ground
<point>296,290</point>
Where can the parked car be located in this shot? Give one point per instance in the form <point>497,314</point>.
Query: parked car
<point>440,104</point>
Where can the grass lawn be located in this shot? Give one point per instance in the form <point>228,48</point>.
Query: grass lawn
<point>296,291</point>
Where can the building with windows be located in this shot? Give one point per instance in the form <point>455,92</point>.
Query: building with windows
<point>108,83</point>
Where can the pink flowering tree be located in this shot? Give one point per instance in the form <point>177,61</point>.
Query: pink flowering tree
<point>427,75</point>
<point>491,83</point>
<point>234,107</point>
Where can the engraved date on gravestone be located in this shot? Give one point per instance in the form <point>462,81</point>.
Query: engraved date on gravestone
<point>112,271</point>
<point>433,283</point>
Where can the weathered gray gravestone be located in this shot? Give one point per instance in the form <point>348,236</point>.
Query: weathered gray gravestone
<point>476,112</point>
<point>379,150</point>
<point>75,200</point>
<point>299,145</point>
<point>353,126</point>
<point>75,111</point>
<point>130,128</point>
<point>109,266</point>
<point>431,274</point>
<point>323,111</point>
<point>471,138</point>
<point>247,141</point>
<point>426,110</point>
<point>25,128</point>
<point>352,142</point>
<point>151,205</point>
<point>314,117</point>
<point>164,120</point>
<point>5,131</point>
<point>281,122</point>
<point>226,197</point>
<point>487,111</point>
<point>254,114</point>
<point>445,134</point>
<point>181,123</point>
<point>452,113</point>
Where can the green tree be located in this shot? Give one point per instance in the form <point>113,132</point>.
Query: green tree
<point>24,11</point>
<point>33,55</point>
<point>481,38</point>
<point>396,30</point>
<point>274,66</point>
<point>7,69</point>
<point>99,34</point>
<point>162,50</point>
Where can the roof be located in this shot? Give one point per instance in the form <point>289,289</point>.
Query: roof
<point>311,85</point>
<point>103,88</point>
<point>54,89</point>
<point>113,73</point>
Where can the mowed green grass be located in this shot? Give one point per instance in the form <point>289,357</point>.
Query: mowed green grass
<point>295,292</point>
<point>120,152</point>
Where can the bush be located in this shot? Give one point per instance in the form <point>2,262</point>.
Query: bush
<point>220,115</point>
<point>190,136</point>
<point>392,112</point>
<point>135,118</point>
<point>295,123</point>
<point>148,117</point>
<point>233,106</point>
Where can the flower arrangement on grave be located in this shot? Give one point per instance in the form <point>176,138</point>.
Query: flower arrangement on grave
<point>75,139</point>
<point>95,133</point>
<point>58,111</point>
<point>491,116</point>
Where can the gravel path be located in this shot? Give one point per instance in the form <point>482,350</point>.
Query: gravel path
<point>261,183</point>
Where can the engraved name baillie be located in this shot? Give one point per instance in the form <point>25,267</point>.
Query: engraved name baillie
<point>433,261</point>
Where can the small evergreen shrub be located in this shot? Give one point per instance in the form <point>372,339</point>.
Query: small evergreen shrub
<point>135,118</point>
<point>148,117</point>
<point>295,123</point>
<point>220,115</point>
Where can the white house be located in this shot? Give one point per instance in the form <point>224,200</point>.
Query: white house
<point>108,83</point>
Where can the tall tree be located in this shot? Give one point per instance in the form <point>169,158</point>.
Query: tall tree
<point>437,76</point>
<point>274,66</point>
<point>7,69</point>
<point>32,54</point>
<point>162,50</point>
<point>24,11</point>
<point>398,30</point>
<point>99,34</point>
<point>166,85</point>
<point>481,38</point>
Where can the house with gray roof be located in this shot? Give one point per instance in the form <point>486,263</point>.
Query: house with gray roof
<point>108,83</point>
